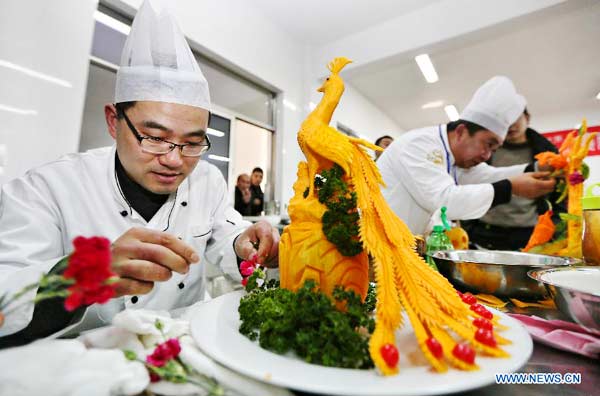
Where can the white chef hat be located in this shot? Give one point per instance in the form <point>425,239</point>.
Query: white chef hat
<point>157,63</point>
<point>495,106</point>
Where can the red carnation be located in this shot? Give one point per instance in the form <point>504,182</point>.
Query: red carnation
<point>90,266</point>
<point>164,352</point>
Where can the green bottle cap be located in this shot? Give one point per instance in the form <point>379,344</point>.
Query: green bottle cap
<point>438,228</point>
<point>590,201</point>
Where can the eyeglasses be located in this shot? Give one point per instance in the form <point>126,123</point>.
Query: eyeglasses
<point>158,146</point>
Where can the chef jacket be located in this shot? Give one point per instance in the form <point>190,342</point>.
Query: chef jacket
<point>42,212</point>
<point>420,175</point>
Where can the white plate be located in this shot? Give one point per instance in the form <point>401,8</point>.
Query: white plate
<point>215,327</point>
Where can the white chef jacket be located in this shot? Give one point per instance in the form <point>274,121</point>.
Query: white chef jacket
<point>42,212</point>
<point>420,175</point>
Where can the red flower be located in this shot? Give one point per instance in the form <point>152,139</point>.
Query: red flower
<point>90,266</point>
<point>154,377</point>
<point>164,352</point>
<point>576,178</point>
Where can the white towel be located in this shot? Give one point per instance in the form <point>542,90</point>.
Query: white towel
<point>135,330</point>
<point>67,368</point>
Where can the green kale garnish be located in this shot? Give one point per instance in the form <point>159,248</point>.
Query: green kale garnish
<point>308,323</point>
<point>340,221</point>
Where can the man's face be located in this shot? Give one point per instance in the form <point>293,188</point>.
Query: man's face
<point>516,132</point>
<point>243,182</point>
<point>385,142</point>
<point>257,178</point>
<point>176,123</point>
<point>474,149</point>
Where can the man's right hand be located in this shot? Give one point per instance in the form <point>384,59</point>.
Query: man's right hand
<point>142,256</point>
<point>532,184</point>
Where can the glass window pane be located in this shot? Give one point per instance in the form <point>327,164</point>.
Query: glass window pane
<point>232,92</point>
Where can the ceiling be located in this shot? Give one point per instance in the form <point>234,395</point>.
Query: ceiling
<point>317,22</point>
<point>553,59</point>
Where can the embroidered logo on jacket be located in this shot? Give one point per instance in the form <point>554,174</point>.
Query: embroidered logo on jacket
<point>436,157</point>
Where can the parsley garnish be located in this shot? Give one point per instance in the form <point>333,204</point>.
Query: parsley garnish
<point>308,323</point>
<point>340,221</point>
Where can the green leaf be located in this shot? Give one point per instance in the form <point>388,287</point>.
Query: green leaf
<point>569,217</point>
<point>130,355</point>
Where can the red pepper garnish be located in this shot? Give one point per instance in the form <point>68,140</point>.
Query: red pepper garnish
<point>486,337</point>
<point>390,356</point>
<point>483,323</point>
<point>464,352</point>
<point>481,311</point>
<point>435,347</point>
<point>468,298</point>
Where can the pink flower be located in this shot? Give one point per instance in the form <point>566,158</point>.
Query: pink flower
<point>576,178</point>
<point>247,268</point>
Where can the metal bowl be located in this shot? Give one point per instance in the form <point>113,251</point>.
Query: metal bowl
<point>576,292</point>
<point>501,273</point>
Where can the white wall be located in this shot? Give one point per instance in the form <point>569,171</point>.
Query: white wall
<point>33,35</point>
<point>569,119</point>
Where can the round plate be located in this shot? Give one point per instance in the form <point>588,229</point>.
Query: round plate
<point>215,325</point>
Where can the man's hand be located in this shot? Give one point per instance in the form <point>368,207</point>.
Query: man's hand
<point>532,184</point>
<point>142,256</point>
<point>260,238</point>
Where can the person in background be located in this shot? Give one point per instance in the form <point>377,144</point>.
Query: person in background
<point>509,226</point>
<point>383,142</point>
<point>444,165</point>
<point>243,194</point>
<point>163,208</point>
<point>258,197</point>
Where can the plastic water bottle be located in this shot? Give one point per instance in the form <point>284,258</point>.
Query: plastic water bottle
<point>438,240</point>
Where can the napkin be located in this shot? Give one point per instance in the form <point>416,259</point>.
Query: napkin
<point>559,334</point>
<point>135,330</point>
<point>67,368</point>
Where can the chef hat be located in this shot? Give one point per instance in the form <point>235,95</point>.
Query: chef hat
<point>495,106</point>
<point>157,63</point>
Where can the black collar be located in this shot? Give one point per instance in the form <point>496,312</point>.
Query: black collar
<point>145,202</point>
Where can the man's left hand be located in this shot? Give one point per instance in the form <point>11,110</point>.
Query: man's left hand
<point>260,238</point>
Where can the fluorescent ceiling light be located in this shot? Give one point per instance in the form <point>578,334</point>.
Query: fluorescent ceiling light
<point>427,68</point>
<point>112,23</point>
<point>598,96</point>
<point>433,105</point>
<point>289,105</point>
<point>33,73</point>
<point>17,110</point>
<point>214,132</point>
<point>451,112</point>
<point>218,158</point>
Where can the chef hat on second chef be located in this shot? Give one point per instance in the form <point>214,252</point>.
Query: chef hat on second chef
<point>157,63</point>
<point>495,106</point>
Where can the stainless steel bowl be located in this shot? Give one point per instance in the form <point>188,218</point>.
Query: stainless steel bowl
<point>568,289</point>
<point>501,273</point>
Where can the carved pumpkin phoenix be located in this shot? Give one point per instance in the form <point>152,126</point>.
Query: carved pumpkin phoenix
<point>448,330</point>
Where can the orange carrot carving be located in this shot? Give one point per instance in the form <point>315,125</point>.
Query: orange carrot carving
<point>543,231</point>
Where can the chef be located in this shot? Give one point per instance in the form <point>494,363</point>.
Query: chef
<point>166,212</point>
<point>444,165</point>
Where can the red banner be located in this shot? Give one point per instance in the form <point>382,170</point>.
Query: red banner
<point>557,137</point>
